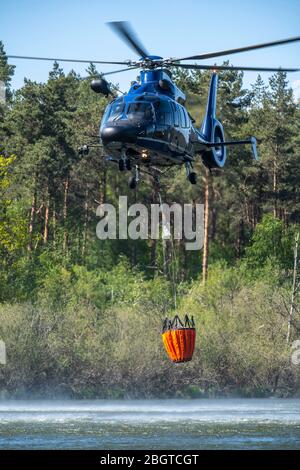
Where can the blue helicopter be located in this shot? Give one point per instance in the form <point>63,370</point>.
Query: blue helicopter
<point>149,127</point>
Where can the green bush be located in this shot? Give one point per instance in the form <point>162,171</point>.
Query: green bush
<point>88,344</point>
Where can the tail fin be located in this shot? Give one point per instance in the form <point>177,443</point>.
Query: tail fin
<point>210,113</point>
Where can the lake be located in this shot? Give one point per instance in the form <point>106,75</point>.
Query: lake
<point>151,424</point>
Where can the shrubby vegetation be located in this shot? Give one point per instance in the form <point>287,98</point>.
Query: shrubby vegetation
<point>87,333</point>
<point>82,317</point>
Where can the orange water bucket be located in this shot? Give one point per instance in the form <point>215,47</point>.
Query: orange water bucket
<point>179,338</point>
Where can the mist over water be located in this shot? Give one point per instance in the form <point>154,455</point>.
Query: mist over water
<point>151,424</point>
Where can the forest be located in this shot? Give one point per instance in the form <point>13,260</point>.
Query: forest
<point>82,317</point>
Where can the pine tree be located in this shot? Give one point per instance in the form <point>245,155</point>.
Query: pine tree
<point>6,71</point>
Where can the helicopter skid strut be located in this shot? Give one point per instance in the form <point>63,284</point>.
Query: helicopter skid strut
<point>124,162</point>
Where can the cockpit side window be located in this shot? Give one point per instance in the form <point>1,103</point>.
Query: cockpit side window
<point>164,113</point>
<point>187,118</point>
<point>182,117</point>
<point>176,114</point>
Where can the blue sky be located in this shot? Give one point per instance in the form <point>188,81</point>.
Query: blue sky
<point>173,28</point>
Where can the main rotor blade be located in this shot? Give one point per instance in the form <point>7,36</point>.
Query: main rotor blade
<point>124,30</point>
<point>67,60</point>
<point>99,75</point>
<point>229,67</point>
<point>119,71</point>
<point>210,55</point>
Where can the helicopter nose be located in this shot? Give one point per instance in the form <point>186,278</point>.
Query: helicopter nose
<point>119,134</point>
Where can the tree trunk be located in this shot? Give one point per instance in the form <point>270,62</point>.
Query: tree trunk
<point>285,217</point>
<point>240,237</point>
<point>102,194</point>
<point>46,221</point>
<point>275,208</point>
<point>85,223</point>
<point>184,262</point>
<point>153,253</point>
<point>294,288</point>
<point>54,224</point>
<point>31,222</point>
<point>163,240</point>
<point>133,254</point>
<point>65,215</point>
<point>207,183</point>
<point>153,241</point>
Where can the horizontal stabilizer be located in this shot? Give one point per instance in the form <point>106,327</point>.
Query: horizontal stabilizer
<point>252,141</point>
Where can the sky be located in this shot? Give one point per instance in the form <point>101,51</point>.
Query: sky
<point>169,28</point>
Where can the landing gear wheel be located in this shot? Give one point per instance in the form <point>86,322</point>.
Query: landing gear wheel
<point>192,177</point>
<point>121,164</point>
<point>132,182</point>
<point>128,164</point>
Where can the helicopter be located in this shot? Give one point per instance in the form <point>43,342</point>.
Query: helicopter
<point>149,128</point>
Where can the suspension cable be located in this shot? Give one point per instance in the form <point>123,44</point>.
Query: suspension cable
<point>166,266</point>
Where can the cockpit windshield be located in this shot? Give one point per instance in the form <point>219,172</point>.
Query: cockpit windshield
<point>116,110</point>
<point>140,111</point>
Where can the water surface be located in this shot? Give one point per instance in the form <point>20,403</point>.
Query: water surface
<point>151,424</point>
